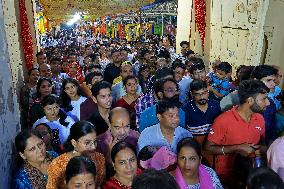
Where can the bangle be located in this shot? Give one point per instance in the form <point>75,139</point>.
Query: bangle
<point>222,150</point>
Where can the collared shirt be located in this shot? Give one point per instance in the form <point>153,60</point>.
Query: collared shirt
<point>153,136</point>
<point>105,139</point>
<point>149,118</point>
<point>142,104</point>
<point>222,86</point>
<point>58,130</point>
<point>197,121</point>
<point>230,129</point>
<point>275,154</point>
<point>184,85</point>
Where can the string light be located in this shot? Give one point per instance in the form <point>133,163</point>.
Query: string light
<point>200,13</point>
<point>26,35</point>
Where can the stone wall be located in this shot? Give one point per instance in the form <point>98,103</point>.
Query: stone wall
<point>10,80</point>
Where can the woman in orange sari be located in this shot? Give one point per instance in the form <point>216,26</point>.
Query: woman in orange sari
<point>82,140</point>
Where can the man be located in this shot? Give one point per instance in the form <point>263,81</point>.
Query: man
<point>118,89</point>
<point>40,59</point>
<point>103,99</point>
<point>112,70</point>
<point>240,130</point>
<point>185,51</point>
<point>200,112</point>
<point>182,80</point>
<point>119,130</point>
<point>165,89</point>
<point>150,98</point>
<point>267,75</point>
<point>44,70</point>
<point>167,132</point>
<point>57,77</point>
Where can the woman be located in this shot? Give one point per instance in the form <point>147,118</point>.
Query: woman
<point>33,171</point>
<point>47,136</point>
<point>82,140</point>
<point>72,97</point>
<point>143,76</point>
<point>43,88</point>
<point>128,101</point>
<point>55,118</point>
<point>125,165</point>
<point>80,173</point>
<point>190,173</point>
<point>75,72</point>
<point>27,93</point>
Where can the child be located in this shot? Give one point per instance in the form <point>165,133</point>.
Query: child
<point>219,80</point>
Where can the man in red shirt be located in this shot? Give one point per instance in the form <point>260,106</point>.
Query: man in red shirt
<point>239,131</point>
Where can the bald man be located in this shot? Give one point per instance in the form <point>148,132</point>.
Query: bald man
<point>119,130</point>
<point>44,70</point>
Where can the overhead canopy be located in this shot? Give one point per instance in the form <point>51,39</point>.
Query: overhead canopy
<point>65,9</point>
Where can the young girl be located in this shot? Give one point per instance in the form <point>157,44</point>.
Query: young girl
<point>55,118</point>
<point>72,97</point>
<point>75,72</point>
<point>128,101</point>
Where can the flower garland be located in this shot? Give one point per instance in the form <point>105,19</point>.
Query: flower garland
<point>200,13</point>
<point>26,35</point>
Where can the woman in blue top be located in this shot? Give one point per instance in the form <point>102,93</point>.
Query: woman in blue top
<point>33,171</point>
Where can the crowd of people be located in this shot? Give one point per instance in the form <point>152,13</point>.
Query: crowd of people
<point>119,115</point>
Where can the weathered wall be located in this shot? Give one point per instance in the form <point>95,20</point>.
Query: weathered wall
<point>10,79</point>
<point>273,30</point>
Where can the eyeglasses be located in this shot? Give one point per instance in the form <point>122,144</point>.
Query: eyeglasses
<point>201,94</point>
<point>171,90</point>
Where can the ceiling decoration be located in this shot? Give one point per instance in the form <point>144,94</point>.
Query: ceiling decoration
<point>65,9</point>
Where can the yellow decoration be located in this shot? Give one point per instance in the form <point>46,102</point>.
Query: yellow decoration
<point>65,9</point>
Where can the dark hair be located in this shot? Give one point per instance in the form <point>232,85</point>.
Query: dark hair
<point>118,147</point>
<point>189,142</point>
<point>98,86</point>
<point>243,73</point>
<point>198,84</point>
<point>51,99</point>
<point>55,60</point>
<point>124,81</point>
<point>262,71</point>
<point>65,99</point>
<point>89,77</point>
<point>92,66</point>
<point>178,65</point>
<point>32,69</point>
<point>39,82</point>
<point>78,130</point>
<point>251,88</point>
<point>44,124</point>
<point>163,53</point>
<point>165,105</point>
<point>184,43</point>
<point>78,165</point>
<point>143,52</point>
<point>225,67</point>
<point>39,53</point>
<point>153,179</point>
<point>22,137</point>
<point>196,66</point>
<point>163,72</point>
<point>163,81</point>
<point>264,178</point>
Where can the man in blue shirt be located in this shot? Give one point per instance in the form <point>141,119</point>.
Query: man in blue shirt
<point>166,133</point>
<point>166,89</point>
<point>201,111</point>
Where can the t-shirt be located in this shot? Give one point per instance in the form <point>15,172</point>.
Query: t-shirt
<point>230,129</point>
<point>75,112</point>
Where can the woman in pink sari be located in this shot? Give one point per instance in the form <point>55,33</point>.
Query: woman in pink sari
<point>190,173</point>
